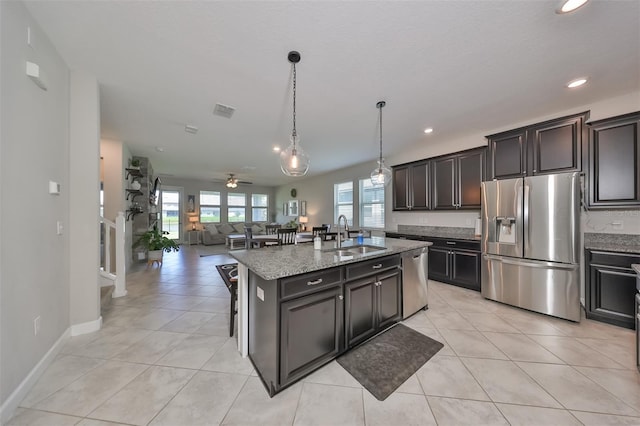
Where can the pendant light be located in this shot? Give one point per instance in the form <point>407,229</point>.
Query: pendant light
<point>381,175</point>
<point>293,160</point>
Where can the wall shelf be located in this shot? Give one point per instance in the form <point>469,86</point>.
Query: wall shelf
<point>133,172</point>
<point>132,212</point>
<point>134,193</point>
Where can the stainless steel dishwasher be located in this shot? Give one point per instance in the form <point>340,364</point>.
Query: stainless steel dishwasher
<point>414,281</point>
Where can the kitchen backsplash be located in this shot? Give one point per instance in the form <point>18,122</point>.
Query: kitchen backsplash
<point>458,219</point>
<point>441,231</point>
<point>611,221</point>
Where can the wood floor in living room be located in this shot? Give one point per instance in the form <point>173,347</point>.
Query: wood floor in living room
<point>164,357</point>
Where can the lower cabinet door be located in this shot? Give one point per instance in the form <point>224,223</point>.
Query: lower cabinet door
<point>612,295</point>
<point>389,299</point>
<point>439,264</point>
<point>360,310</point>
<point>466,269</point>
<point>310,332</point>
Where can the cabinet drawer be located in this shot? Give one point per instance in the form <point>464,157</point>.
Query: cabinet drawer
<point>455,244</point>
<point>372,267</point>
<point>308,283</point>
<point>613,259</point>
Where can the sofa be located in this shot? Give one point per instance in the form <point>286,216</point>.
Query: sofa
<point>216,233</point>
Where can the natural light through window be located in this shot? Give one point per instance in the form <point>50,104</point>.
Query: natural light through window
<point>237,203</point>
<point>209,207</point>
<point>259,207</point>
<point>343,201</point>
<point>371,204</point>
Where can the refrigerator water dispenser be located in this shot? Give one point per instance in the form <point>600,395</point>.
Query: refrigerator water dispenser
<point>506,230</point>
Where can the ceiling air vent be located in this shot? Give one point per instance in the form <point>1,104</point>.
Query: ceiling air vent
<point>223,110</point>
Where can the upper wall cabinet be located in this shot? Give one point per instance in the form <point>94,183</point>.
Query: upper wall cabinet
<point>456,180</point>
<point>614,162</point>
<point>411,186</point>
<point>554,146</point>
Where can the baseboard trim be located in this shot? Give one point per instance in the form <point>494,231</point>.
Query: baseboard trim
<point>86,327</point>
<point>11,404</point>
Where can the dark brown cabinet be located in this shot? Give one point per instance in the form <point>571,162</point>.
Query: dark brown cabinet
<point>611,287</point>
<point>614,162</point>
<point>456,180</point>
<point>554,146</point>
<point>455,262</point>
<point>310,332</point>
<point>411,186</point>
<point>371,305</point>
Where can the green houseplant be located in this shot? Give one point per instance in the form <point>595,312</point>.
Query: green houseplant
<point>155,240</point>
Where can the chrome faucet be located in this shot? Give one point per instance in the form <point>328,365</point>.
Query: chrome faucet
<point>346,228</point>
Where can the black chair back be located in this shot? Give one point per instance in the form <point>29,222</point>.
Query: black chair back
<point>328,226</point>
<point>320,231</point>
<point>286,236</point>
<point>272,229</point>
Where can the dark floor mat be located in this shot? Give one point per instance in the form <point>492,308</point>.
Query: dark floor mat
<point>383,363</point>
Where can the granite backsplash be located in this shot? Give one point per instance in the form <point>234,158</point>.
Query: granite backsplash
<point>438,231</point>
<point>628,243</point>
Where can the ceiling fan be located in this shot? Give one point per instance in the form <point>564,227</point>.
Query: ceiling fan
<point>232,181</point>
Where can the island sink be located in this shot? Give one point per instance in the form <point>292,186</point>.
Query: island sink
<point>352,250</point>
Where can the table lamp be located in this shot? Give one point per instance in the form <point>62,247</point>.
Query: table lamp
<point>193,220</point>
<point>303,222</point>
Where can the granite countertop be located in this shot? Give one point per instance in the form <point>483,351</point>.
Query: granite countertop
<point>437,232</point>
<point>282,261</point>
<point>623,243</point>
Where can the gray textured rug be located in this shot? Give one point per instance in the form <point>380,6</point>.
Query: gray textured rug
<point>383,363</point>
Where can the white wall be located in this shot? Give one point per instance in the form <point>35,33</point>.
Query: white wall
<point>34,149</point>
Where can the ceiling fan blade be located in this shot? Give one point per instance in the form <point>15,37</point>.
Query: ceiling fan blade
<point>245,182</point>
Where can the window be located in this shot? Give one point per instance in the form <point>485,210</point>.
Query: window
<point>343,201</point>
<point>209,207</point>
<point>259,207</point>
<point>371,204</point>
<point>236,207</point>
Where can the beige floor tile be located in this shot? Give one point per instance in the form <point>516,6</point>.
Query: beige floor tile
<point>227,359</point>
<point>155,319</point>
<point>89,391</point>
<point>411,385</point>
<point>184,303</point>
<point>505,382</point>
<point>110,345</point>
<point>151,348</point>
<point>519,347</point>
<point>623,384</point>
<point>139,401</point>
<point>447,376</point>
<point>419,320</point>
<point>325,404</point>
<point>574,391</point>
<point>94,422</point>
<point>397,409</point>
<point>521,415</point>
<point>595,419</point>
<point>63,370</point>
<point>591,329</point>
<point>193,351</point>
<point>218,325</point>
<point>622,351</point>
<point>253,406</point>
<point>333,374</point>
<point>219,305</point>
<point>449,320</point>
<point>471,344</point>
<point>29,417</point>
<point>575,353</point>
<point>489,322</point>
<point>212,291</point>
<point>188,322</point>
<point>530,323</point>
<point>462,412</point>
<point>205,400</point>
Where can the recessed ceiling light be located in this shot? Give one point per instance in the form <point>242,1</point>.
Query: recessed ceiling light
<point>159,149</point>
<point>576,83</point>
<point>276,148</point>
<point>428,130</point>
<point>570,5</point>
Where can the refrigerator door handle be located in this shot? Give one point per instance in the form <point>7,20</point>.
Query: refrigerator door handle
<point>527,235</point>
<point>540,264</point>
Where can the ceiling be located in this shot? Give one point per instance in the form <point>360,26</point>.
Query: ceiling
<point>457,66</point>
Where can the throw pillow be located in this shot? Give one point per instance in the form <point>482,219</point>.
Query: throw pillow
<point>225,228</point>
<point>257,229</point>
<point>239,228</point>
<point>212,229</point>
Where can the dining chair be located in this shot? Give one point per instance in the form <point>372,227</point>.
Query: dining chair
<point>320,231</point>
<point>249,242</point>
<point>286,236</point>
<point>272,229</point>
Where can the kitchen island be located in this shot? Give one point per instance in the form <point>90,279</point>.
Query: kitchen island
<point>299,308</point>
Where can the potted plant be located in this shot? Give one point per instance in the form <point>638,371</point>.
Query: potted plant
<point>135,163</point>
<point>156,243</point>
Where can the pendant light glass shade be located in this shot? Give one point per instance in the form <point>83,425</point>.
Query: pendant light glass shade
<point>381,175</point>
<point>293,160</point>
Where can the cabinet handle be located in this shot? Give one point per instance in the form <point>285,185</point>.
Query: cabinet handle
<point>451,243</point>
<point>318,281</point>
<point>378,283</point>
<point>378,266</point>
<point>340,297</point>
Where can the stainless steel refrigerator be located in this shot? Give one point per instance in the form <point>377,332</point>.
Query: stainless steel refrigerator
<point>530,243</point>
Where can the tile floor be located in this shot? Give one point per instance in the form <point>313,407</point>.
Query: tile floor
<point>164,357</point>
